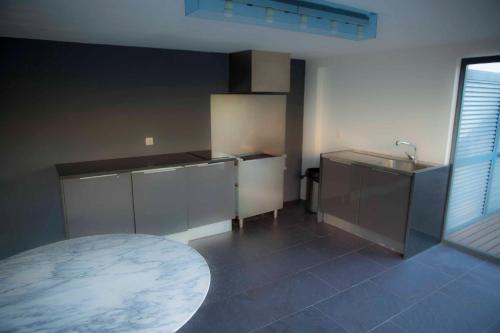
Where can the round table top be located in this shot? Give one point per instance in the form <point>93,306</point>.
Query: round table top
<point>106,283</point>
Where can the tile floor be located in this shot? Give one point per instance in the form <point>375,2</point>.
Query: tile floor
<point>295,275</point>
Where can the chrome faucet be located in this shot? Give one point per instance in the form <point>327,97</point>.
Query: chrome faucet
<point>410,156</point>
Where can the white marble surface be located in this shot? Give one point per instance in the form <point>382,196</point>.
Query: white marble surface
<point>108,283</point>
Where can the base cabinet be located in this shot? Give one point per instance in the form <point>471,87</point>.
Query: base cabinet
<point>260,186</point>
<point>340,187</point>
<point>373,199</point>
<point>98,205</point>
<point>211,193</point>
<point>383,206</point>
<point>160,201</point>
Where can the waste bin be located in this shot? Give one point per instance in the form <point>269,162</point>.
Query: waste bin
<point>312,189</point>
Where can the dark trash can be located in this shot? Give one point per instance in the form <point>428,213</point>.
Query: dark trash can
<point>312,189</point>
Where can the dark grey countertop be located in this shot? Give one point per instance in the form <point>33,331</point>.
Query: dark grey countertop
<point>138,163</point>
<point>380,161</point>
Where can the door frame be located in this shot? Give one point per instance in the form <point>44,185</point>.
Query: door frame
<point>456,122</point>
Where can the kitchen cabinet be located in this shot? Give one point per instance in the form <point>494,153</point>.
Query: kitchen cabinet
<point>260,185</point>
<point>340,187</point>
<point>390,201</point>
<point>210,193</point>
<point>98,205</point>
<point>160,200</point>
<point>383,204</point>
<point>161,195</point>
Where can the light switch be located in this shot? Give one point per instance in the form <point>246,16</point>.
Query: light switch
<point>149,141</point>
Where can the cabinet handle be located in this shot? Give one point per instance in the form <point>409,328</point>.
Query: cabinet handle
<point>157,170</point>
<point>202,165</point>
<point>209,164</point>
<point>386,171</point>
<point>99,176</point>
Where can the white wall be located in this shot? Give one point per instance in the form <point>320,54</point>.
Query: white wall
<point>367,101</point>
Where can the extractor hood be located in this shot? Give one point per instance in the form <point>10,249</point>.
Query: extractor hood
<point>259,72</point>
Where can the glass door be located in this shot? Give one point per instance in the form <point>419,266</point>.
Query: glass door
<point>473,218</point>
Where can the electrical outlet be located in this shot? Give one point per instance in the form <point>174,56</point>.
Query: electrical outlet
<point>149,141</point>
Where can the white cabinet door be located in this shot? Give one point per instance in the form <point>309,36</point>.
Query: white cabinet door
<point>260,186</point>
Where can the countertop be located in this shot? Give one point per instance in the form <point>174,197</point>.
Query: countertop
<point>107,283</point>
<point>139,163</point>
<point>380,161</point>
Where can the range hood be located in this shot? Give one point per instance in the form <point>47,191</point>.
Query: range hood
<point>259,72</point>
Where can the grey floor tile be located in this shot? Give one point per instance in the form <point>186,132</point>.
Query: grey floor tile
<point>495,328</point>
<point>448,260</point>
<point>236,314</point>
<point>306,321</point>
<point>273,257</point>
<point>337,244</point>
<point>319,229</point>
<point>355,242</point>
<point>330,248</point>
<point>388,327</point>
<point>442,314</point>
<point>382,255</point>
<point>362,307</point>
<point>489,272</point>
<point>412,280</point>
<point>348,270</point>
<point>284,220</point>
<point>472,291</point>
<point>230,248</point>
<point>231,280</point>
<point>290,295</point>
<point>276,238</point>
<point>287,262</point>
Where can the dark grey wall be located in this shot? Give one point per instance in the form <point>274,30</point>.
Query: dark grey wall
<point>68,102</point>
<point>294,130</point>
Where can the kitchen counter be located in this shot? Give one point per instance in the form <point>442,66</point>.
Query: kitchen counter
<point>386,162</point>
<point>139,163</point>
<point>107,283</point>
<point>385,199</point>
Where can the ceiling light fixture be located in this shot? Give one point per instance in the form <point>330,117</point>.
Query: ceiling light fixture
<point>303,22</point>
<point>311,16</point>
<point>333,26</point>
<point>269,15</point>
<point>228,8</point>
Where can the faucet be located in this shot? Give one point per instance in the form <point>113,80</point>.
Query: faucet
<point>410,156</point>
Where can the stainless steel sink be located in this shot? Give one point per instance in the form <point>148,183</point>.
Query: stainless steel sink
<point>403,165</point>
<point>375,160</point>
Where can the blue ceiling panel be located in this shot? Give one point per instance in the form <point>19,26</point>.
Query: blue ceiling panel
<point>313,16</point>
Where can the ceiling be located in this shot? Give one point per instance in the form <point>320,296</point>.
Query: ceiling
<point>162,24</point>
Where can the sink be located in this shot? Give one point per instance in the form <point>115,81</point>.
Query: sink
<point>385,162</point>
<point>403,165</point>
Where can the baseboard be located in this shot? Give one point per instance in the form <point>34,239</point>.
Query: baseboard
<point>203,231</point>
<point>364,233</point>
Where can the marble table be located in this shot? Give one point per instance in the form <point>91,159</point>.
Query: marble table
<point>107,283</point>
